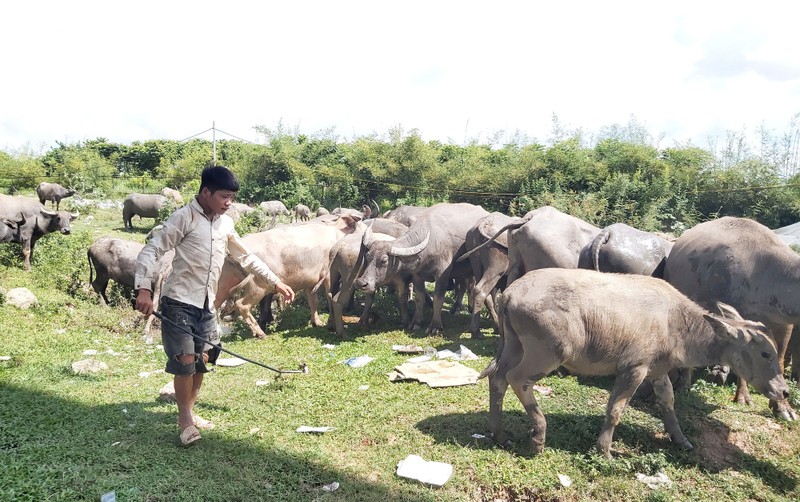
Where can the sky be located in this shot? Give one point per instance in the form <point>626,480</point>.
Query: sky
<point>456,71</point>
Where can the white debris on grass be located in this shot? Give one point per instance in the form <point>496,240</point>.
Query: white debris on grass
<point>653,482</point>
<point>565,480</point>
<point>60,331</point>
<point>5,358</point>
<point>363,387</point>
<point>329,346</point>
<point>331,487</point>
<point>89,352</point>
<point>478,436</point>
<point>415,467</point>
<point>261,383</point>
<point>306,428</point>
<point>230,361</point>
<point>358,362</point>
<point>255,430</point>
<point>543,390</point>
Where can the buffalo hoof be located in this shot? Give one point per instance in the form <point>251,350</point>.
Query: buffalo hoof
<point>744,400</point>
<point>501,439</point>
<point>782,411</point>
<point>686,445</point>
<point>432,330</point>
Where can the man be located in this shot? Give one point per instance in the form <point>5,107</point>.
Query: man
<point>201,235</point>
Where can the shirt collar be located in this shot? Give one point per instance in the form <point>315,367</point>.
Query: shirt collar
<point>197,207</point>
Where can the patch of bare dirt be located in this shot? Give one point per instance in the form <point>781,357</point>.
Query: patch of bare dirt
<point>716,448</point>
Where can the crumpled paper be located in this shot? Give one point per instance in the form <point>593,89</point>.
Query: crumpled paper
<point>433,473</point>
<point>439,373</point>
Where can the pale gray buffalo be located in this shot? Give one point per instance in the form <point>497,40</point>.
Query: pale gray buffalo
<point>544,237</point>
<point>274,208</point>
<point>741,262</point>
<point>346,262</point>
<point>489,265</point>
<point>172,194</point>
<point>428,251</point>
<point>302,212</point>
<point>111,258</point>
<point>632,326</point>
<point>36,221</point>
<point>298,254</point>
<point>627,250</point>
<point>142,205</point>
<point>322,211</point>
<point>52,192</point>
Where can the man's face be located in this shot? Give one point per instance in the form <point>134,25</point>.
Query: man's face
<point>219,201</point>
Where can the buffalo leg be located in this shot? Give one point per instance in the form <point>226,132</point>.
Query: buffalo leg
<point>481,294</point>
<point>439,291</point>
<point>666,398</point>
<point>419,304</point>
<point>313,305</point>
<point>624,387</point>
<point>532,367</point>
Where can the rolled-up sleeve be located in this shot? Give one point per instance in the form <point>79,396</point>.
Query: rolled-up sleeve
<point>249,261</point>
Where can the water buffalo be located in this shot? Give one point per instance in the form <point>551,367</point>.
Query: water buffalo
<point>322,211</point>
<point>633,326</point>
<point>9,229</point>
<point>627,250</point>
<point>741,262</point>
<point>143,205</point>
<point>52,192</point>
<point>405,214</point>
<point>544,237</point>
<point>36,222</point>
<point>302,212</point>
<point>346,260</point>
<point>172,194</point>
<point>298,254</point>
<point>428,251</point>
<point>112,258</point>
<point>274,208</point>
<point>489,265</point>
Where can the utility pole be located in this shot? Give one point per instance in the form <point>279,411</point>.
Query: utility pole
<point>214,140</point>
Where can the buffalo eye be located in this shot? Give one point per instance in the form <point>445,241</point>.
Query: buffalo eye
<point>384,260</point>
<point>765,355</point>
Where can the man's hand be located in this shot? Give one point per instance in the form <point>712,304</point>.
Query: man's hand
<point>144,301</point>
<point>285,291</point>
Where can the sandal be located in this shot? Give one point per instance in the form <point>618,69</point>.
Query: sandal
<point>202,423</point>
<point>190,435</point>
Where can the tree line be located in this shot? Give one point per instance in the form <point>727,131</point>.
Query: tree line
<point>617,175</point>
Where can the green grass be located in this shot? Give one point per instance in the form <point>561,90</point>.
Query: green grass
<point>68,437</point>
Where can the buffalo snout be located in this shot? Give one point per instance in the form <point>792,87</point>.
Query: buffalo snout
<point>361,283</point>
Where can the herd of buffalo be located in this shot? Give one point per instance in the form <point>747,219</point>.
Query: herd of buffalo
<point>560,291</point>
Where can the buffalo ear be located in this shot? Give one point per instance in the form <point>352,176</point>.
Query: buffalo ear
<point>728,312</point>
<point>721,328</point>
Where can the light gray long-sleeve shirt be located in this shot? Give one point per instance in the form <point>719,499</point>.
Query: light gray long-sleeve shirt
<point>200,245</point>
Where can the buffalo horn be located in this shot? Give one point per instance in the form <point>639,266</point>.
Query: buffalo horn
<point>368,238</point>
<point>410,251</point>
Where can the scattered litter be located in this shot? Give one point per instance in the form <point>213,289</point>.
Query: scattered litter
<point>160,347</point>
<point>543,389</point>
<point>415,467</point>
<point>306,428</point>
<point>254,430</point>
<point>112,353</point>
<point>115,443</point>
<point>109,497</point>
<point>60,331</point>
<point>329,346</point>
<point>124,410</point>
<point>363,387</point>
<point>331,487</point>
<point>145,374</point>
<point>148,340</point>
<point>358,362</point>
<point>435,373</point>
<point>565,480</point>
<point>261,383</point>
<point>89,352</point>
<point>463,354</point>
<point>408,349</point>
<point>478,436</point>
<point>230,361</point>
<point>5,358</point>
<point>653,482</point>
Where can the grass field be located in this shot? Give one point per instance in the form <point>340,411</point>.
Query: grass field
<point>70,437</point>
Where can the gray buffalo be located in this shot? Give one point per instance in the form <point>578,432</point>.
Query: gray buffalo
<point>489,265</point>
<point>298,254</point>
<point>36,221</point>
<point>9,229</point>
<point>626,250</point>
<point>274,208</point>
<point>52,192</point>
<point>741,262</point>
<point>428,252</point>
<point>142,205</point>
<point>346,260</point>
<point>111,258</point>
<point>322,211</point>
<point>544,237</point>
<point>405,214</point>
<point>632,326</point>
<point>302,212</point>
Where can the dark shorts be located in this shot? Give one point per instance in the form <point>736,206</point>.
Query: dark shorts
<point>176,342</point>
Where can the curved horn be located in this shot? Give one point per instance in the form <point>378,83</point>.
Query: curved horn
<point>377,208</point>
<point>48,213</point>
<point>510,226</point>
<point>410,251</point>
<point>74,216</point>
<point>368,238</point>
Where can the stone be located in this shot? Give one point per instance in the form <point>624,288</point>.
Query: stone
<point>88,366</point>
<point>21,298</point>
<point>167,392</point>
